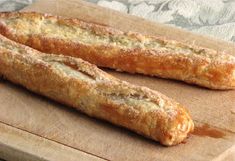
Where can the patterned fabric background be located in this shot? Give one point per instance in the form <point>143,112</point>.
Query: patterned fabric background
<point>211,17</point>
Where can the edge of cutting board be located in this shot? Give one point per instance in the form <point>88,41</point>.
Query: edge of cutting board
<point>16,144</point>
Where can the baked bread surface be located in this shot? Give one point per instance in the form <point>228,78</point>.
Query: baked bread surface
<point>123,51</point>
<point>77,83</point>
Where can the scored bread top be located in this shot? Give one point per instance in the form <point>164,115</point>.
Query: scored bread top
<point>79,31</point>
<point>127,51</point>
<point>82,85</point>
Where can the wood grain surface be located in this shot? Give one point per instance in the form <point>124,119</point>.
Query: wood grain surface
<point>16,144</point>
<point>38,115</point>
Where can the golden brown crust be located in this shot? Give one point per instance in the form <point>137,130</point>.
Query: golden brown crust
<point>131,52</point>
<point>83,86</point>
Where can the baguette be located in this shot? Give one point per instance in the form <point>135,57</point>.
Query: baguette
<point>77,83</point>
<point>130,52</point>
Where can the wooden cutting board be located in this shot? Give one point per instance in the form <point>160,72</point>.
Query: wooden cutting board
<point>52,131</point>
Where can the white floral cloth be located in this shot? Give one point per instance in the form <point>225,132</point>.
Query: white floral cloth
<point>210,17</point>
